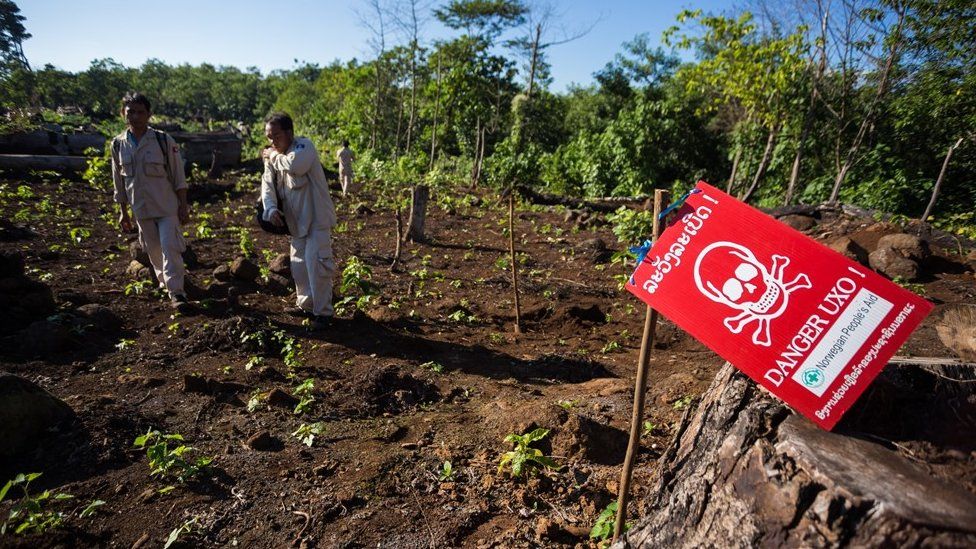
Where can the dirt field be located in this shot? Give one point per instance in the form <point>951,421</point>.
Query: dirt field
<point>430,372</point>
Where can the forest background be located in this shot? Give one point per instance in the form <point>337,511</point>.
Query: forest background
<point>864,102</point>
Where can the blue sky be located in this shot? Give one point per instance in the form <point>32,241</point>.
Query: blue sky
<point>272,35</point>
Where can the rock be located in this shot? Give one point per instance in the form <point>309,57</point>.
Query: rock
<point>99,317</point>
<point>957,330</point>
<point>11,264</point>
<point>595,249</point>
<point>136,253</point>
<point>262,441</point>
<point>27,412</point>
<point>136,270</point>
<point>221,273</point>
<point>12,284</point>
<point>45,338</point>
<point>849,249</point>
<point>799,222</point>
<point>909,246</point>
<point>245,270</point>
<point>281,265</point>
<point>744,471</point>
<point>594,441</point>
<point>893,264</point>
<point>281,399</point>
<point>278,285</point>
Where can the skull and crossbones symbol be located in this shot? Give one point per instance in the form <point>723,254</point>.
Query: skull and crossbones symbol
<point>730,274</point>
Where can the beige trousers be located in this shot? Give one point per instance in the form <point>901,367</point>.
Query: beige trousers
<point>313,268</point>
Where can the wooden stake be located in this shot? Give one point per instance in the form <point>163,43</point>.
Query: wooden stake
<point>511,250</point>
<point>647,343</point>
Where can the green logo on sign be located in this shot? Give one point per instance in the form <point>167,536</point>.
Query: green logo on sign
<point>813,378</point>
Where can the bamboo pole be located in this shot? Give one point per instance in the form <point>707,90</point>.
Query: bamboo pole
<point>647,343</point>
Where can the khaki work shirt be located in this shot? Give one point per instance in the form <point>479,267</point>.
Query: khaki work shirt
<point>139,174</point>
<point>304,191</point>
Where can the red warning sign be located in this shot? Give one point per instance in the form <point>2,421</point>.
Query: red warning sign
<point>805,322</point>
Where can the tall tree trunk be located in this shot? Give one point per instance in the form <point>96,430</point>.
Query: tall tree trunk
<point>795,170</point>
<point>477,145</point>
<point>399,240</point>
<point>413,95</point>
<point>419,195</point>
<point>763,163</point>
<point>535,58</point>
<point>511,249</point>
<point>396,145</point>
<point>433,131</point>
<point>938,182</point>
<point>808,116</point>
<point>735,168</point>
<point>868,122</point>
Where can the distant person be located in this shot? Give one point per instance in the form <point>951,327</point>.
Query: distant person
<point>293,172</point>
<point>147,170</point>
<point>345,156</point>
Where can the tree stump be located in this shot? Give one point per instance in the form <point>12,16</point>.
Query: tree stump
<point>419,195</point>
<point>743,470</point>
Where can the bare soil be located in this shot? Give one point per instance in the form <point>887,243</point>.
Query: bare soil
<point>391,419</point>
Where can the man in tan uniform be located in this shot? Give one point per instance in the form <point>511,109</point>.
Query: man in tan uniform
<point>147,170</point>
<point>345,157</point>
<point>292,165</point>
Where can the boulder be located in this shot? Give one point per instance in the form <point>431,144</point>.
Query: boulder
<point>594,249</point>
<point>849,249</point>
<point>11,264</point>
<point>137,271</point>
<point>281,265</point>
<point>744,471</point>
<point>221,273</point>
<point>27,412</point>
<point>908,246</point>
<point>893,264</point>
<point>46,338</point>
<point>244,269</point>
<point>278,285</point>
<point>99,317</point>
<point>799,222</point>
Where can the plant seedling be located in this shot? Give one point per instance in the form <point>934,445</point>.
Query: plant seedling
<point>165,462</point>
<point>603,528</point>
<point>306,433</point>
<point>447,472</point>
<point>29,513</point>
<point>524,458</point>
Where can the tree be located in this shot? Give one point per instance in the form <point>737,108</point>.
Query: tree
<point>12,36</point>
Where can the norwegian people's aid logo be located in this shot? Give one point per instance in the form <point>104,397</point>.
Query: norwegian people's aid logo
<point>730,274</point>
<point>812,377</point>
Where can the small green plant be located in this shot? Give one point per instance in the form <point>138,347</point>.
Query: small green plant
<point>31,513</point>
<point>913,287</point>
<point>447,472</point>
<point>603,528</point>
<point>305,396</point>
<point>291,351</point>
<point>139,287</point>
<point>356,278</point>
<point>124,344</point>
<point>253,361</point>
<point>567,404</point>
<point>648,428</point>
<point>91,508</point>
<point>610,347</point>
<point>78,234</point>
<point>682,403</point>
<point>462,316</point>
<point>256,400</point>
<point>246,243</point>
<point>631,226</point>
<point>185,528</point>
<point>435,367</point>
<point>166,462</point>
<point>306,433</point>
<point>524,458</point>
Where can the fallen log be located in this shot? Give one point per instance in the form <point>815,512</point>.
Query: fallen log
<point>42,162</point>
<point>744,471</point>
<point>605,204</point>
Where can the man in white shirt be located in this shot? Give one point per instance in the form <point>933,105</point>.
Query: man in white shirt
<point>293,164</point>
<point>147,170</point>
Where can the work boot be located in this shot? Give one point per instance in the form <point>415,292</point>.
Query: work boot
<point>298,312</point>
<point>320,322</point>
<point>180,303</point>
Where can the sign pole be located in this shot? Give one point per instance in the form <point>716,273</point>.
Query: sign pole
<point>647,343</point>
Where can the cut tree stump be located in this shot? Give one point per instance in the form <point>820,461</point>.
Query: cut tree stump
<point>744,471</point>
<point>419,195</point>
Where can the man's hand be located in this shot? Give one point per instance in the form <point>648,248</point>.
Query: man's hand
<point>277,220</point>
<point>184,213</point>
<point>266,153</point>
<point>124,222</point>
